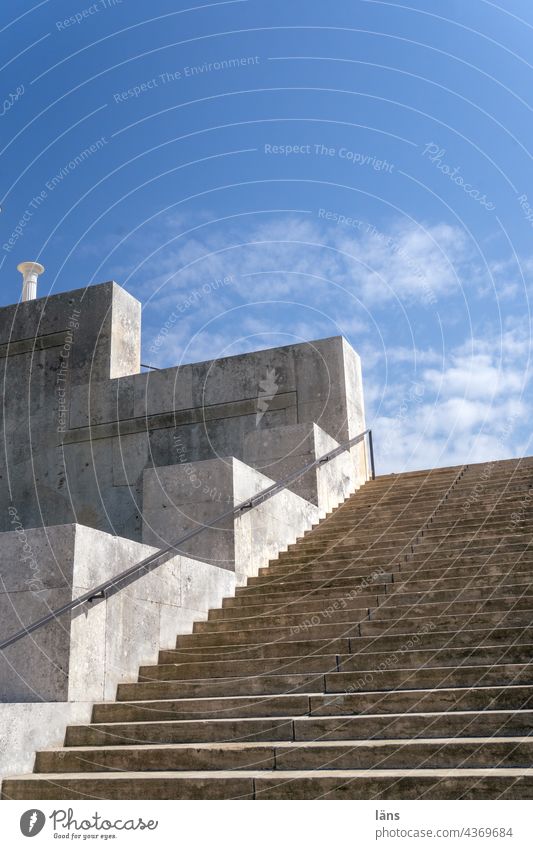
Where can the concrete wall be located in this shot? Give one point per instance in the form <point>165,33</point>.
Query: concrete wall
<point>180,498</point>
<point>48,347</point>
<point>280,451</point>
<point>85,655</point>
<point>25,728</point>
<point>196,412</point>
<point>85,424</point>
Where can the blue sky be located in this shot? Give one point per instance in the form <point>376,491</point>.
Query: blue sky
<point>301,169</point>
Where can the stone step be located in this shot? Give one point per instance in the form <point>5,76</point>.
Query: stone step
<point>352,579</point>
<point>390,537</point>
<point>457,499</point>
<point>331,682</point>
<point>210,730</point>
<point>234,668</point>
<point>140,785</point>
<point>366,627</point>
<point>466,784</point>
<point>409,726</point>
<point>475,487</point>
<point>513,697</point>
<point>392,610</point>
<point>363,560</point>
<point>319,592</point>
<point>509,543</point>
<point>452,527</point>
<point>352,582</point>
<point>409,582</point>
<point>271,635</point>
<point>387,643</point>
<point>387,543</point>
<point>372,727</point>
<point>420,498</point>
<point>378,546</point>
<point>370,514</point>
<point>253,685</point>
<point>366,563</point>
<point>369,496</point>
<point>402,528</point>
<point>521,561</point>
<point>254,623</point>
<point>234,707</point>
<point>404,484</point>
<point>338,527</point>
<point>296,648</point>
<point>477,580</point>
<point>434,677</point>
<point>357,552</point>
<point>510,698</point>
<point>368,518</point>
<point>292,606</point>
<point>437,753</point>
<point>469,593</point>
<point>316,602</point>
<point>451,622</point>
<point>497,490</point>
<point>467,482</point>
<point>366,567</point>
<point>462,496</point>
<point>470,475</point>
<point>403,582</point>
<point>406,657</point>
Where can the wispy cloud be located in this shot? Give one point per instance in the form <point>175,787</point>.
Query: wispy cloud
<point>373,264</point>
<point>445,379</point>
<point>476,406</point>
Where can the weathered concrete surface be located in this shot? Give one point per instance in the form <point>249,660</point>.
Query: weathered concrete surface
<point>85,656</point>
<point>47,348</point>
<point>85,424</point>
<point>180,498</point>
<point>35,725</point>
<point>279,451</point>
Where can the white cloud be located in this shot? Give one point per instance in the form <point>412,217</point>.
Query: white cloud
<point>297,256</point>
<point>476,407</point>
<point>478,376</point>
<point>300,278</point>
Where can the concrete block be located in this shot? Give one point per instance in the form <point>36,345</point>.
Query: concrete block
<point>84,655</point>
<point>281,451</point>
<point>26,728</point>
<point>125,343</point>
<point>177,499</point>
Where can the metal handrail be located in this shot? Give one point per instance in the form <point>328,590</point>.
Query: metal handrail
<point>114,585</point>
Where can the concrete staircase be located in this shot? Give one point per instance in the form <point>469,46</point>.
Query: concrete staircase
<point>385,655</point>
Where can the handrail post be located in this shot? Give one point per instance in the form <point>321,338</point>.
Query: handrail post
<point>371,452</point>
